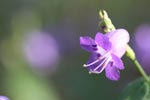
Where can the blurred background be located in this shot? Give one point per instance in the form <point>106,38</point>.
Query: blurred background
<point>40,54</point>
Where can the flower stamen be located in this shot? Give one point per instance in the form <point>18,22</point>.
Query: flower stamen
<point>99,58</point>
<point>102,64</point>
<point>94,62</point>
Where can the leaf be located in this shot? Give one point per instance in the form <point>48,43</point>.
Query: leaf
<point>136,90</point>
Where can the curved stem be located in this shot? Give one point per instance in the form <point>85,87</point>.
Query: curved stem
<point>139,67</point>
<point>130,53</point>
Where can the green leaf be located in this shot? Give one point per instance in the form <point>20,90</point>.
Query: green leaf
<point>136,90</point>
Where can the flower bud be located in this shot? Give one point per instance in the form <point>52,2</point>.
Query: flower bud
<point>105,23</point>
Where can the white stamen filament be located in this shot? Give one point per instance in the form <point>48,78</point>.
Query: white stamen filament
<point>94,62</point>
<point>86,65</point>
<point>102,64</point>
<point>108,60</point>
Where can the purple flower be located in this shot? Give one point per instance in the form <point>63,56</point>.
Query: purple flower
<point>141,45</point>
<point>106,52</point>
<point>3,98</point>
<point>41,51</point>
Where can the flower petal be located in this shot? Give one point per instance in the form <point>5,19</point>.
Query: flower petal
<point>93,57</point>
<point>103,41</point>
<point>117,62</point>
<point>88,44</point>
<point>119,39</point>
<point>112,72</point>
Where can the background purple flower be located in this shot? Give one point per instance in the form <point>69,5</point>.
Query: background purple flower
<point>141,45</point>
<point>41,51</point>
<point>3,98</point>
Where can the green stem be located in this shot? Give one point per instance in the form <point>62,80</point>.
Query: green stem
<point>139,67</point>
<point>130,53</point>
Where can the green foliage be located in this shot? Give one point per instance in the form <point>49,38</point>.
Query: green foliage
<point>25,86</point>
<point>136,90</point>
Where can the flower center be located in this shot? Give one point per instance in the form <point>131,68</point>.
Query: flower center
<point>101,50</point>
<point>102,65</point>
<point>104,60</point>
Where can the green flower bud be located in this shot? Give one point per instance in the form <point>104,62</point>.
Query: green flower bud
<point>105,23</point>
